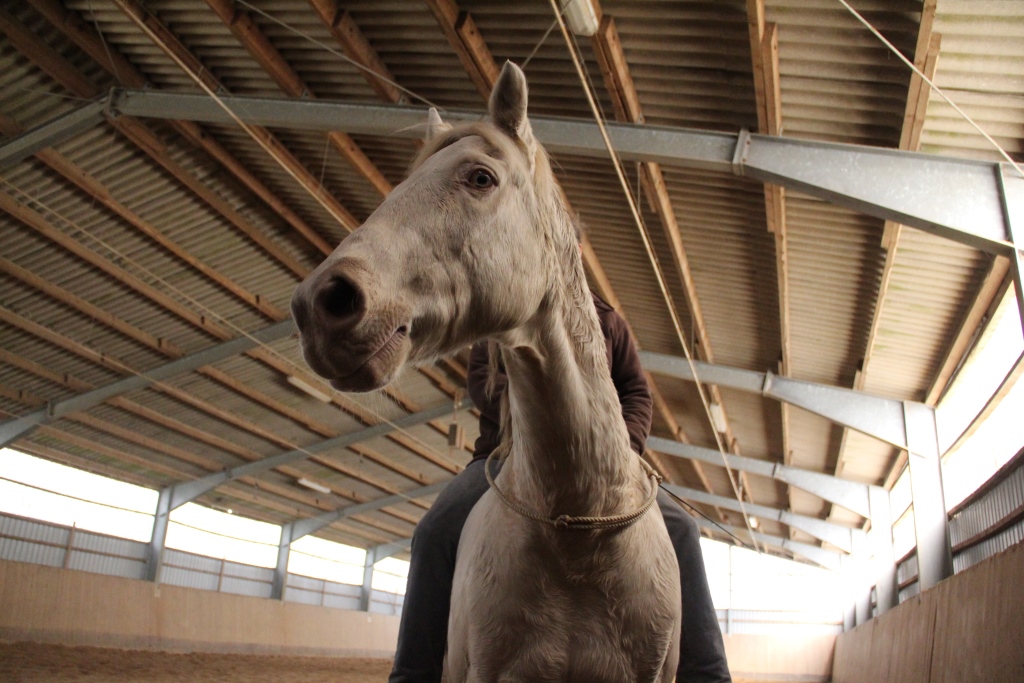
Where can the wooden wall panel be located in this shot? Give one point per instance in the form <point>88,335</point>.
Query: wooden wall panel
<point>756,657</point>
<point>47,604</point>
<point>979,626</point>
<point>968,628</point>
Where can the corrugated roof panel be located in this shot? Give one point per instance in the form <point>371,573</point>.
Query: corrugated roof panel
<point>838,82</point>
<point>835,264</point>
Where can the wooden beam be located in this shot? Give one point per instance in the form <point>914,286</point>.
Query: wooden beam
<point>172,424</point>
<point>251,485</point>
<point>103,195</point>
<point>926,55</point>
<point>174,48</point>
<point>345,30</point>
<point>249,34</point>
<point>468,44</point>
<point>61,70</point>
<point>626,102</point>
<point>993,288</point>
<point>108,57</point>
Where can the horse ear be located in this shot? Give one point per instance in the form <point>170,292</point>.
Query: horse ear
<point>435,126</point>
<point>508,104</point>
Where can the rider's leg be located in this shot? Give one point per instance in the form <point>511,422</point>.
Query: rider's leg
<point>701,650</point>
<point>423,633</point>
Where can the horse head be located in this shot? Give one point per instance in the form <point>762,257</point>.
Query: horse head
<point>456,253</point>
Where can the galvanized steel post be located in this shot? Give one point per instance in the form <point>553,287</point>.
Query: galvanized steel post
<point>934,555</point>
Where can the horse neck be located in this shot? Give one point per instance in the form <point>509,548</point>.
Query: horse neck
<point>570,449</point>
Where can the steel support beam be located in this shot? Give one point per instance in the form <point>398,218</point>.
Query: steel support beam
<point>823,558</point>
<point>934,555</point>
<point>875,416</point>
<point>386,550</point>
<point>190,490</point>
<point>309,525</point>
<point>1013,210</point>
<point>367,591</point>
<point>17,428</point>
<point>155,557</point>
<point>51,133</point>
<point>962,200</point>
<point>284,550</point>
<point>373,556</point>
<point>839,536</point>
<point>880,541</point>
<point>848,494</point>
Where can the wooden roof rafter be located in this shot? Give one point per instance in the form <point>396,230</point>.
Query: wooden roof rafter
<point>251,37</point>
<point>118,66</point>
<point>764,52</point>
<point>291,493</point>
<point>164,39</point>
<point>343,27</point>
<point>926,55</point>
<point>148,142</point>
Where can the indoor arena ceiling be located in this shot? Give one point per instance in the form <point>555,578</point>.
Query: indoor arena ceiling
<point>136,242</point>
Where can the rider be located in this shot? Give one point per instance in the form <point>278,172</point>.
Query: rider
<point>423,634</point>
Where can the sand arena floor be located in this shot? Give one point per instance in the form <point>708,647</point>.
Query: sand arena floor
<point>35,663</point>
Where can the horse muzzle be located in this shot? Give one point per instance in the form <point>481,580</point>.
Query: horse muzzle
<point>348,336</point>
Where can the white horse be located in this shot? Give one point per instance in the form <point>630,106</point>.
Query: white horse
<point>565,571</point>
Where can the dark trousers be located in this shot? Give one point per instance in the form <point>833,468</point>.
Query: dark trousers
<point>423,635</point>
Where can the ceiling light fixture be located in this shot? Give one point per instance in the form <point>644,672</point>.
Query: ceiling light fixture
<point>308,388</point>
<point>718,417</point>
<point>581,16</point>
<point>310,484</point>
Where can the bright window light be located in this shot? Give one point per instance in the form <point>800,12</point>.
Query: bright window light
<point>900,497</point>
<point>997,440</point>
<point>204,531</point>
<point>904,534</point>
<point>390,575</point>
<point>995,352</point>
<point>742,579</point>
<point>999,436</point>
<point>323,559</point>
<point>50,492</point>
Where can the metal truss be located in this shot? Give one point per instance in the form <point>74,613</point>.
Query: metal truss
<point>972,202</point>
<point>19,427</point>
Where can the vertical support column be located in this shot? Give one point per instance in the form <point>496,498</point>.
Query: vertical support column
<point>934,556</point>
<point>364,598</point>
<point>155,560</point>
<point>1011,191</point>
<point>846,564</point>
<point>860,566</point>
<point>284,549</point>
<point>880,539</point>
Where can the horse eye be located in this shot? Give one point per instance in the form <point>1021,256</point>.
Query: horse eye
<point>481,179</point>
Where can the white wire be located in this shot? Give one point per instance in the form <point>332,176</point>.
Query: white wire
<point>616,162</point>
<point>208,312</point>
<point>340,55</point>
<point>273,154</point>
<point>932,85</point>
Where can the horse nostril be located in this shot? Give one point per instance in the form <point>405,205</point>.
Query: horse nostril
<point>341,299</point>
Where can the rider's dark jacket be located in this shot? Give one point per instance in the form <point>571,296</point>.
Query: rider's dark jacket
<point>627,375</point>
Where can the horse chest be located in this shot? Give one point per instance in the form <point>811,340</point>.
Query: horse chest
<point>536,605</point>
